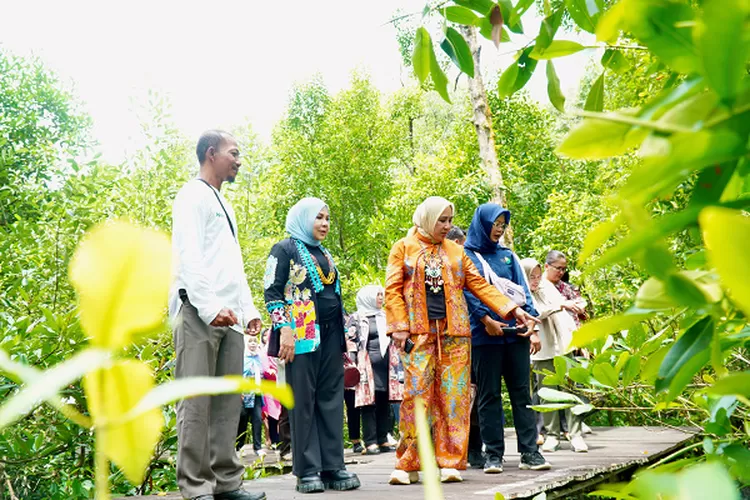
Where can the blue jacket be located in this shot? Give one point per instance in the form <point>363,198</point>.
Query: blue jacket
<point>502,262</point>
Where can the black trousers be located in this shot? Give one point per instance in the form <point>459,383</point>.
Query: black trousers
<point>252,416</point>
<point>273,429</point>
<point>353,415</point>
<point>317,419</point>
<point>376,420</point>
<point>492,364</point>
<point>285,433</point>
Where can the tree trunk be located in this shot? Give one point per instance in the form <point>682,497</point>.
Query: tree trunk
<point>483,125</point>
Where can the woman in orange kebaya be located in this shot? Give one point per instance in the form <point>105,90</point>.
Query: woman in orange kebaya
<point>424,303</point>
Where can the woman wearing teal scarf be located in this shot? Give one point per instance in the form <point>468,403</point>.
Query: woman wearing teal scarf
<point>303,297</point>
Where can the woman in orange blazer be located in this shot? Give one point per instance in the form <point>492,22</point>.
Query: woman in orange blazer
<point>424,302</point>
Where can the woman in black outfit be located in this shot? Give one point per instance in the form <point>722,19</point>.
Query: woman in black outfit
<point>303,297</point>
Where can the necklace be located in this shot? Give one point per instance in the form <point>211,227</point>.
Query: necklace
<point>317,277</point>
<point>327,280</point>
<point>433,272</point>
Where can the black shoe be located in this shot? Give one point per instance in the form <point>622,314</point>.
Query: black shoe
<point>476,459</point>
<point>357,447</point>
<point>240,495</point>
<point>493,465</point>
<point>203,497</point>
<point>310,484</point>
<point>386,448</point>
<point>340,480</point>
<point>533,461</point>
<point>371,450</point>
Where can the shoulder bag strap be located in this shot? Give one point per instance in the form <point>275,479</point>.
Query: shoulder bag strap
<point>229,220</point>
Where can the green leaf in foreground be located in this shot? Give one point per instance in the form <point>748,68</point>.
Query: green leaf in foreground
<point>597,139</point>
<point>49,383</point>
<point>595,99</point>
<point>695,342</point>
<point>727,237</point>
<point>556,96</point>
<point>421,56</point>
<point>735,384</point>
<point>458,50</point>
<point>556,48</point>
<point>430,474</point>
<point>721,37</point>
<point>601,328</point>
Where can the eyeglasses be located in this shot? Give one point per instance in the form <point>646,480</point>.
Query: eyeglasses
<point>499,225</point>
<point>561,269</point>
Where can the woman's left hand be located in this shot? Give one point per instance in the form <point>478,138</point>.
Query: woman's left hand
<point>536,343</point>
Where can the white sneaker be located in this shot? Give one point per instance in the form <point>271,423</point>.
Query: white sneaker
<point>450,476</point>
<point>585,429</point>
<point>578,445</point>
<point>551,444</point>
<point>391,441</point>
<point>403,477</point>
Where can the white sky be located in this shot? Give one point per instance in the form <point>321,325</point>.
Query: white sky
<point>222,63</point>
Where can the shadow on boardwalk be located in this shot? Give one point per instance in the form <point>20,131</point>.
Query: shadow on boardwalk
<point>612,450</point>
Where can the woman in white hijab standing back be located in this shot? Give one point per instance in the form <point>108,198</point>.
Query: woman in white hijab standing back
<point>378,363</point>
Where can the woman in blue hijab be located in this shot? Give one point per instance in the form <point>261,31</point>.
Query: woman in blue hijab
<point>496,354</point>
<point>303,297</point>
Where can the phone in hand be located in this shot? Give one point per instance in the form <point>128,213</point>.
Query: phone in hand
<point>512,330</point>
<point>408,346</point>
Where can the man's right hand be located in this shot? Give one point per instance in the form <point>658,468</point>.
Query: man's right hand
<point>226,317</point>
<point>493,327</point>
<point>286,344</point>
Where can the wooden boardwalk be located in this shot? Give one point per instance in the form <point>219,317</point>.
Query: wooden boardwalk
<point>612,450</point>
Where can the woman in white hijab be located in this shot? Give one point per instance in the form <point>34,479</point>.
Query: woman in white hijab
<point>425,305</point>
<point>378,363</point>
<point>556,332</point>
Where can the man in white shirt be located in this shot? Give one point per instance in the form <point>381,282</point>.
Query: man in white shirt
<point>210,307</point>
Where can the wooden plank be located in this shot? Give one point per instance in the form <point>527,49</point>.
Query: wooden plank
<point>611,449</point>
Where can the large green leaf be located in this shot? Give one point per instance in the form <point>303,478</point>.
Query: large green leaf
<point>707,480</point>
<point>438,76</point>
<point>595,99</point>
<point>122,275</point>
<point>614,60</point>
<point>711,184</point>
<point>664,27</point>
<point>550,407</point>
<point>430,473</point>
<point>555,396</point>
<point>517,74</point>
<point>189,387</point>
<point>521,7</point>
<point>668,161</point>
<point>722,38</point>
<point>734,384</point>
<point>458,50</point>
<point>548,30</point>
<point>481,6</point>
<point>421,59</point>
<point>556,48</point>
<point>554,92</point>
<point>585,13</point>
<point>461,15</point>
<point>602,327</point>
<point>111,393</point>
<point>596,139</point>
<point>655,295</point>
<point>727,237</point>
<point>46,385</point>
<point>693,344</point>
<point>485,29</point>
<point>611,22</point>
<point>605,374</point>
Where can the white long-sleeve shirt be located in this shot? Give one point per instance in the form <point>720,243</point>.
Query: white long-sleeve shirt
<point>207,257</point>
